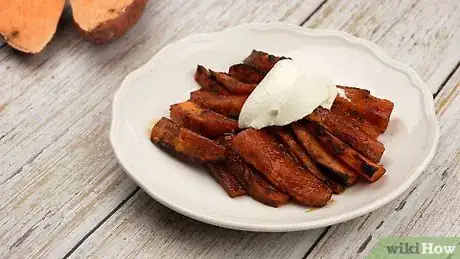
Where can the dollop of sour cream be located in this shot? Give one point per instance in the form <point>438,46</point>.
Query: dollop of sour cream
<point>285,95</point>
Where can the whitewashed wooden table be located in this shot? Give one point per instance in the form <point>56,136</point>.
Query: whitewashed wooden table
<point>62,193</point>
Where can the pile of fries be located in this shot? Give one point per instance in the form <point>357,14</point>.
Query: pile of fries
<point>306,161</point>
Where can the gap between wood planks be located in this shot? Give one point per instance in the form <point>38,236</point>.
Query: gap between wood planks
<point>447,79</point>
<point>313,13</point>
<point>316,242</point>
<point>109,215</point>
<point>101,222</point>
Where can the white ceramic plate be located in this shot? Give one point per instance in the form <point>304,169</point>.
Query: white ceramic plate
<point>167,78</point>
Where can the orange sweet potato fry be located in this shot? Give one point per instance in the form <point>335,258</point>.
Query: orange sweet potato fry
<point>261,150</point>
<point>228,105</point>
<point>344,130</point>
<point>366,168</point>
<point>323,157</point>
<point>259,188</point>
<point>262,61</point>
<point>201,120</point>
<point>304,159</point>
<point>355,118</point>
<point>246,73</point>
<point>185,143</point>
<point>233,85</point>
<point>227,180</point>
<point>205,79</point>
<point>375,110</point>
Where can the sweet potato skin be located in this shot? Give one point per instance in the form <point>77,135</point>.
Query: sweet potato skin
<point>228,105</point>
<point>227,180</point>
<point>322,156</point>
<point>233,85</point>
<point>112,29</point>
<point>246,73</point>
<point>297,151</point>
<point>185,143</point>
<point>344,130</point>
<point>257,186</point>
<point>262,61</point>
<point>366,168</point>
<point>261,151</point>
<point>206,80</point>
<point>201,120</point>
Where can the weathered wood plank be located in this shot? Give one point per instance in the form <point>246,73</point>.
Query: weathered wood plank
<point>424,34</point>
<point>430,207</point>
<point>145,229</point>
<point>446,96</point>
<point>58,177</point>
<point>173,242</point>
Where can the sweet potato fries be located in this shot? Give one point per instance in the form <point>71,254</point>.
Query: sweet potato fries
<point>297,151</point>
<point>228,105</point>
<point>207,81</point>
<point>257,186</point>
<point>246,73</point>
<point>186,143</point>
<point>220,172</point>
<point>201,120</point>
<point>305,161</point>
<point>261,151</point>
<point>233,85</point>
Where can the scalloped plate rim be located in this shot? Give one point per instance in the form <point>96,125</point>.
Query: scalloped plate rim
<point>372,47</point>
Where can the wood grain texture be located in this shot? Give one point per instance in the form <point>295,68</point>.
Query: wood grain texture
<point>145,229</point>
<point>430,207</point>
<point>424,34</point>
<point>141,234</point>
<point>59,177</point>
<point>447,96</point>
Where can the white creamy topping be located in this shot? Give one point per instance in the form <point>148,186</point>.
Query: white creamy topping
<point>342,94</point>
<point>285,95</point>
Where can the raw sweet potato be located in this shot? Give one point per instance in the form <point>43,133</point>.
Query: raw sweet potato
<point>366,168</point>
<point>227,180</point>
<point>323,157</point>
<point>260,150</point>
<point>376,110</point>
<point>201,120</point>
<point>185,143</point>
<point>246,73</point>
<point>27,25</point>
<point>344,130</point>
<point>207,81</point>
<point>105,20</point>
<point>296,149</point>
<point>262,61</point>
<point>233,85</point>
<point>228,105</point>
<point>257,186</point>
